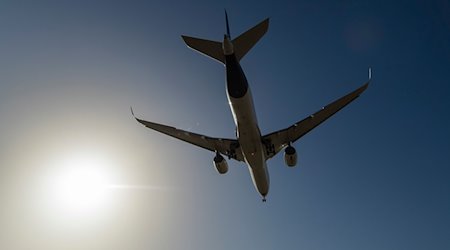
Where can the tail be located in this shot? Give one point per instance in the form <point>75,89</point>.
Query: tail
<point>241,45</point>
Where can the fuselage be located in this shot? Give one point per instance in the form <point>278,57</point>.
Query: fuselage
<point>249,146</point>
<point>247,130</point>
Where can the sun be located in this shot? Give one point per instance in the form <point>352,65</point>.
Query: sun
<point>79,185</point>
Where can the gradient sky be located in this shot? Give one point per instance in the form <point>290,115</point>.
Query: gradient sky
<point>374,176</point>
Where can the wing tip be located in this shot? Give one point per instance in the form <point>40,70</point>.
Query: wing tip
<point>361,89</point>
<point>366,84</point>
<point>132,113</point>
<point>134,116</point>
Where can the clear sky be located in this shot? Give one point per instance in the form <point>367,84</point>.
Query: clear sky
<point>374,176</point>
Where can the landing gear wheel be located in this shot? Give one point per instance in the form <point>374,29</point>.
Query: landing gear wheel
<point>264,199</point>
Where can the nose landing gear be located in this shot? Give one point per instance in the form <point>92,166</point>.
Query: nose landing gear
<point>264,199</point>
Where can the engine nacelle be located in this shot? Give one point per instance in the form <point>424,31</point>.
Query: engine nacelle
<point>290,156</point>
<point>221,164</point>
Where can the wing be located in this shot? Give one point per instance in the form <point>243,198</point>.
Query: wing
<point>280,139</point>
<point>226,147</point>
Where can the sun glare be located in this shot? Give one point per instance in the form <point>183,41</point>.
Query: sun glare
<point>79,187</point>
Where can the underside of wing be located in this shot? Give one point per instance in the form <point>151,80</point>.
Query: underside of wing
<point>227,147</point>
<point>280,139</point>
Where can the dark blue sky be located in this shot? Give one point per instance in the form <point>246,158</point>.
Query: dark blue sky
<point>374,176</point>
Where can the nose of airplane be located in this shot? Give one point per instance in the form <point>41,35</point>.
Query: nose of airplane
<point>264,199</point>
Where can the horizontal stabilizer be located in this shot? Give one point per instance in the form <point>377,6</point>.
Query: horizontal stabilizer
<point>243,43</point>
<point>209,48</point>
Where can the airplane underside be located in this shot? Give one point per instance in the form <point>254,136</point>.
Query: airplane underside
<point>249,146</point>
<point>249,138</point>
<point>247,130</point>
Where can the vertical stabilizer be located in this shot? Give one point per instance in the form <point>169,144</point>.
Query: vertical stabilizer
<point>228,26</point>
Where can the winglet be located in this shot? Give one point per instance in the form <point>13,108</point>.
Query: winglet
<point>134,116</point>
<point>370,73</point>
<point>131,108</point>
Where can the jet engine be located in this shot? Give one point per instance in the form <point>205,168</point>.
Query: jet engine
<point>221,164</point>
<point>290,156</point>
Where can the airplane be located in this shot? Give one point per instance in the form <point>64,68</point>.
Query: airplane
<point>249,146</point>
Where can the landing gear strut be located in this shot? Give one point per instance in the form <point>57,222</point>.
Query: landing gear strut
<point>264,199</point>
